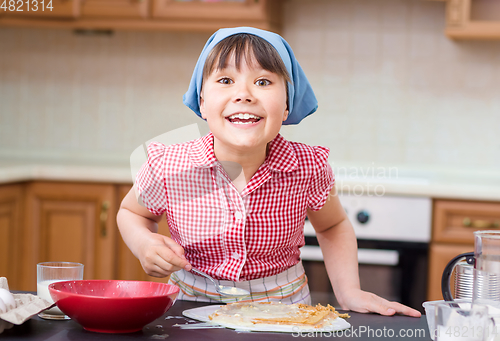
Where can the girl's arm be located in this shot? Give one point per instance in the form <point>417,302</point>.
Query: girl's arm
<point>338,243</point>
<point>159,255</point>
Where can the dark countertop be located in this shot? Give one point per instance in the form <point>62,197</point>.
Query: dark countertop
<point>364,327</point>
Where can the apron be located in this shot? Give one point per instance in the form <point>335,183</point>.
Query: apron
<point>289,286</point>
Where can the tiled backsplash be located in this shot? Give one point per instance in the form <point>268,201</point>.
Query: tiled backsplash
<point>392,89</point>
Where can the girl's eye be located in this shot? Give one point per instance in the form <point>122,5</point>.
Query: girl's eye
<point>262,82</point>
<point>225,80</point>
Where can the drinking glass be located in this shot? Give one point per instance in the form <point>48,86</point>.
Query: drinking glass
<point>486,288</point>
<point>51,272</point>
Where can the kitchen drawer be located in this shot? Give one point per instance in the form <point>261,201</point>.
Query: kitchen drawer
<point>115,9</point>
<point>212,15</point>
<point>455,221</point>
<point>212,10</point>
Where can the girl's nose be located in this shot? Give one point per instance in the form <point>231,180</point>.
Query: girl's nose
<point>242,99</point>
<point>243,94</point>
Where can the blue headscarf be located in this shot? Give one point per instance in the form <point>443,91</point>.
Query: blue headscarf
<point>301,99</point>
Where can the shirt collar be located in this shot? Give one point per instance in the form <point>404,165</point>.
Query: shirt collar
<point>281,156</point>
<point>202,153</point>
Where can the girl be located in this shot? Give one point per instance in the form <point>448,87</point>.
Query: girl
<point>236,199</point>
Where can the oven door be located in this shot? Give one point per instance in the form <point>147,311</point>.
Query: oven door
<point>393,270</point>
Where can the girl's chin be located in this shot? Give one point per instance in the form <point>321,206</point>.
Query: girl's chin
<point>234,137</point>
<point>249,145</point>
<point>240,142</point>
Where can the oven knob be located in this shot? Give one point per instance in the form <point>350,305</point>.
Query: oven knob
<point>363,217</point>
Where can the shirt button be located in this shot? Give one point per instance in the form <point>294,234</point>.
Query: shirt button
<point>235,255</point>
<point>238,215</point>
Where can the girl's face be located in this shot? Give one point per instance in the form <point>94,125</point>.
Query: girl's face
<point>244,108</point>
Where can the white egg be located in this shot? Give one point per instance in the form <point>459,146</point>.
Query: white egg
<point>7,298</point>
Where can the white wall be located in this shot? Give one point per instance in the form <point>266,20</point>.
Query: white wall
<point>392,89</point>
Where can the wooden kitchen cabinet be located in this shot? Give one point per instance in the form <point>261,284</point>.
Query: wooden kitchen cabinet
<point>11,200</point>
<point>72,9</point>
<point>193,15</point>
<point>211,16</point>
<point>129,267</point>
<point>72,222</point>
<point>55,9</point>
<point>454,222</point>
<point>44,221</point>
<point>115,9</point>
<point>440,255</point>
<point>473,19</point>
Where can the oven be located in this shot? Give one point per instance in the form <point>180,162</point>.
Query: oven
<point>393,234</point>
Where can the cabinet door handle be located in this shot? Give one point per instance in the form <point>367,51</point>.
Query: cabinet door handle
<point>480,224</point>
<point>103,217</point>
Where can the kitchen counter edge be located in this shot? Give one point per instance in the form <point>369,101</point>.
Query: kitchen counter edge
<point>466,185</point>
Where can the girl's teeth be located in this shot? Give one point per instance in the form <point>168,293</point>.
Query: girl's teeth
<point>245,116</point>
<point>239,122</point>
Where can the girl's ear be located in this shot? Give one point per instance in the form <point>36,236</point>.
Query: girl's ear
<point>285,115</point>
<point>202,107</point>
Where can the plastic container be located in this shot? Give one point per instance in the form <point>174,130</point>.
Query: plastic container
<point>430,312</point>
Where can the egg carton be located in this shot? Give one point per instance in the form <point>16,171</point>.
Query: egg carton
<point>27,305</point>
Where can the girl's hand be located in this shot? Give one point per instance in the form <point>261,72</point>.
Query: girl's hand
<point>367,302</point>
<point>160,255</point>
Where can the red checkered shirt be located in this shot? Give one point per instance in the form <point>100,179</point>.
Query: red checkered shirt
<point>230,235</point>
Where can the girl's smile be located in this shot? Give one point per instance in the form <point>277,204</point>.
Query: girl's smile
<point>243,118</point>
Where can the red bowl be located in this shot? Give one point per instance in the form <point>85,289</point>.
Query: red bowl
<point>109,306</point>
